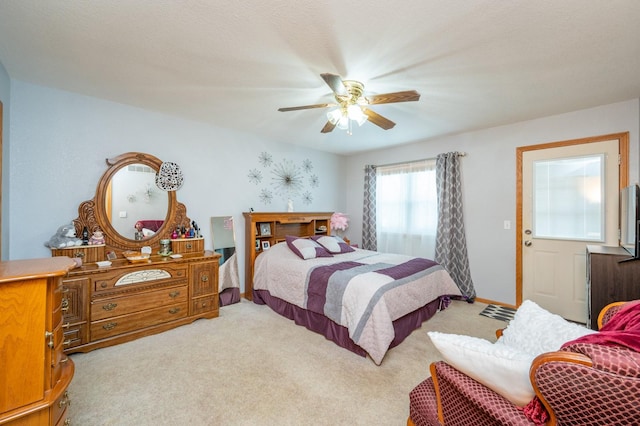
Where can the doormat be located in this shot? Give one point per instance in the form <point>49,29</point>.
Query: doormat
<point>498,312</point>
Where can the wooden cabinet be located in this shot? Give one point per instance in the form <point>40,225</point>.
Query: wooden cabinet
<point>611,277</point>
<point>125,301</point>
<point>272,228</point>
<point>87,254</point>
<point>34,371</point>
<point>187,245</point>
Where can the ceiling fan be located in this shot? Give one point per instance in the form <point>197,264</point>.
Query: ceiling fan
<point>352,104</point>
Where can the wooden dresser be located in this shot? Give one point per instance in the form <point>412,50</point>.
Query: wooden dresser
<point>267,229</point>
<point>612,276</point>
<point>34,371</point>
<point>125,301</point>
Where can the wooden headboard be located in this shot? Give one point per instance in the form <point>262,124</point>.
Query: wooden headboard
<point>272,228</point>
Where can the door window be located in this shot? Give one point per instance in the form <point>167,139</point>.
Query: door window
<point>568,198</point>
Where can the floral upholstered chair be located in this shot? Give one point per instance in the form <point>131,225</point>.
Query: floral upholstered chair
<point>590,380</point>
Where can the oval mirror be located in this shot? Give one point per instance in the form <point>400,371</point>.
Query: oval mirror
<point>127,195</point>
<point>135,206</point>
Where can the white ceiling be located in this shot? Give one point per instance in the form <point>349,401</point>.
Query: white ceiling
<point>476,63</point>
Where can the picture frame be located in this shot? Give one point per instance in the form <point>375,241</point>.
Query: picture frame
<point>265,245</point>
<point>265,229</point>
<point>257,245</point>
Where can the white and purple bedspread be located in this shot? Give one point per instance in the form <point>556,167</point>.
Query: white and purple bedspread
<point>364,291</point>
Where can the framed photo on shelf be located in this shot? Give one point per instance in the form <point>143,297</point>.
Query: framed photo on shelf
<point>257,245</point>
<point>265,245</point>
<point>265,229</point>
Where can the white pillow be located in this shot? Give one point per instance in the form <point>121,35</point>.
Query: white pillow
<point>504,366</point>
<point>501,368</point>
<point>536,330</point>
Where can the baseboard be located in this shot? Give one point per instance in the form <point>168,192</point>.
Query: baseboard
<point>493,302</point>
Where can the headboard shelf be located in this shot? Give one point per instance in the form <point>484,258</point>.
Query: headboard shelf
<point>273,227</point>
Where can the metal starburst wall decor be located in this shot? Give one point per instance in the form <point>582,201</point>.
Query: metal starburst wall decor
<point>288,179</point>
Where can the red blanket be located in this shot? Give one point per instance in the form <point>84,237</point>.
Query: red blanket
<point>623,329</point>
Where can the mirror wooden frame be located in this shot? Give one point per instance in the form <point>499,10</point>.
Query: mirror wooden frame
<point>93,213</point>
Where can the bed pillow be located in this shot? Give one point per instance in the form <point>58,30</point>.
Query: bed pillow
<point>305,248</point>
<point>333,244</point>
<point>536,330</point>
<point>501,368</point>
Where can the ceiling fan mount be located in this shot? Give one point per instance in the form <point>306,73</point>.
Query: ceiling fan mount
<point>351,102</point>
<point>354,89</point>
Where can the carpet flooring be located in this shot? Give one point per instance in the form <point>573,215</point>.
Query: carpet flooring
<point>501,313</point>
<point>251,366</point>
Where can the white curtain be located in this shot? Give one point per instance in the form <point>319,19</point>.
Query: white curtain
<point>407,208</point>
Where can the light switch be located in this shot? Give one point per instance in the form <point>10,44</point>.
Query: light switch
<point>123,214</point>
<point>507,224</point>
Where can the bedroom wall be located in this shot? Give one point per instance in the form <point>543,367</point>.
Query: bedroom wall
<point>489,181</point>
<point>60,141</point>
<point>5,98</point>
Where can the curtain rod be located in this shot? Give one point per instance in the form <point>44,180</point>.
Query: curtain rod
<point>460,153</point>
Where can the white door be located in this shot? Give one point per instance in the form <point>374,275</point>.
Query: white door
<point>569,199</point>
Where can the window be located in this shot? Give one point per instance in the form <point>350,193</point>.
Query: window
<point>407,208</point>
<point>568,197</point>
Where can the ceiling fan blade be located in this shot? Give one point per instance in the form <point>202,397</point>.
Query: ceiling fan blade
<point>306,107</point>
<point>378,120</point>
<point>335,83</point>
<point>328,127</point>
<point>387,98</point>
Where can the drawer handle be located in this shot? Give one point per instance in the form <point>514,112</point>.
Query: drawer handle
<point>103,285</point>
<point>204,304</point>
<point>189,246</point>
<point>110,325</point>
<point>204,278</point>
<point>174,310</point>
<point>65,400</point>
<point>66,325</point>
<point>49,335</point>
<point>109,306</point>
<point>65,289</point>
<point>78,254</point>
<point>67,422</point>
<point>66,342</point>
<point>65,305</point>
<point>174,294</point>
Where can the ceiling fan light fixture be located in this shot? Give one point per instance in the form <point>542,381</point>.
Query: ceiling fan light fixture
<point>343,123</point>
<point>354,112</point>
<point>334,116</point>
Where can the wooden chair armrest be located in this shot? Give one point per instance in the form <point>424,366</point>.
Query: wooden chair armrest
<point>559,356</point>
<point>603,312</point>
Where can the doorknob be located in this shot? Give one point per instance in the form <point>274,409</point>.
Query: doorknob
<point>528,243</point>
<point>527,231</point>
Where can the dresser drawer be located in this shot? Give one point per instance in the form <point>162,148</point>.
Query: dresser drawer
<point>59,408</point>
<point>148,277</point>
<point>187,245</point>
<point>202,305</point>
<point>88,254</point>
<point>122,324</point>
<point>74,335</point>
<point>116,306</point>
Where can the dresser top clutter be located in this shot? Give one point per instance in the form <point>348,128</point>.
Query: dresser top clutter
<point>145,270</point>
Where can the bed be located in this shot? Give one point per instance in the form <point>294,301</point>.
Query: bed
<point>364,301</point>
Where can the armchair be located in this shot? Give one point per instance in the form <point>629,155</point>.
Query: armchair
<point>581,384</point>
